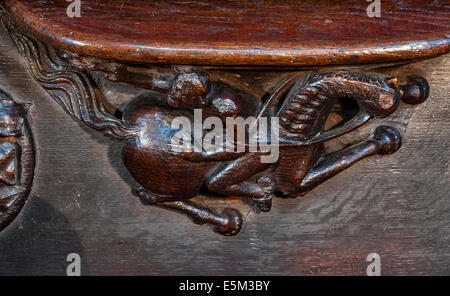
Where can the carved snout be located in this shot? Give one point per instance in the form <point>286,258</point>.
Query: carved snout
<point>383,105</point>
<point>414,92</point>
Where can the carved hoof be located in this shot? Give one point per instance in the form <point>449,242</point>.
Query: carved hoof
<point>233,224</point>
<point>389,139</point>
<point>263,204</point>
<point>416,91</point>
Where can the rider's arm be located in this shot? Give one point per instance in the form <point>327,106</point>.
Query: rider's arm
<point>219,154</point>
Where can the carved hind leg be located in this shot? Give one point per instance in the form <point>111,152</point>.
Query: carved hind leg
<point>229,222</point>
<point>385,140</point>
<point>232,179</point>
<point>260,192</point>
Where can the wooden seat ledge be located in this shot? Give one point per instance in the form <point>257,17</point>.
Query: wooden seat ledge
<point>216,33</point>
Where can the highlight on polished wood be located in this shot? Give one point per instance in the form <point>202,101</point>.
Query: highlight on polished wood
<point>242,33</point>
<point>224,137</point>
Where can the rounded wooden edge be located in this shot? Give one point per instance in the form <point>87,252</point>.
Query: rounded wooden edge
<point>222,54</point>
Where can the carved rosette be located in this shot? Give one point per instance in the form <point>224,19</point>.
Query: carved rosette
<point>17,158</point>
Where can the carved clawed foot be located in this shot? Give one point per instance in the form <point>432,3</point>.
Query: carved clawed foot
<point>416,91</point>
<point>229,222</point>
<point>388,138</point>
<point>232,222</point>
<point>264,204</point>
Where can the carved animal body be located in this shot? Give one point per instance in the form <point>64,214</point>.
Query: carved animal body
<point>147,156</point>
<point>169,178</point>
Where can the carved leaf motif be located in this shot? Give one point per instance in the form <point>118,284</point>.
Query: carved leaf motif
<point>72,89</point>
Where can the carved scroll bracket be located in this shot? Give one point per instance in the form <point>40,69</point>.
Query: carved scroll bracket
<point>301,104</point>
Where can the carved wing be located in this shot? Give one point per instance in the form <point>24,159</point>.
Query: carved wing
<point>72,89</point>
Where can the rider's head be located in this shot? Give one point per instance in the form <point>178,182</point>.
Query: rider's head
<point>189,90</point>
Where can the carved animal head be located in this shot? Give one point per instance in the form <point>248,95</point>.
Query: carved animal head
<point>189,90</point>
<point>384,98</point>
<point>12,116</point>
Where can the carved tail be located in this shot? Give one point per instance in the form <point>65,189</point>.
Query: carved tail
<point>73,90</point>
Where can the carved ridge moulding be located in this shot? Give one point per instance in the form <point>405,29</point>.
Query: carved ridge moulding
<point>301,103</point>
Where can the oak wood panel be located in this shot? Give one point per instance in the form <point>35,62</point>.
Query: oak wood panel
<point>397,206</point>
<point>262,33</point>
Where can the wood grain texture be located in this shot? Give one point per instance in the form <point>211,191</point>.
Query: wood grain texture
<point>397,206</point>
<point>262,33</point>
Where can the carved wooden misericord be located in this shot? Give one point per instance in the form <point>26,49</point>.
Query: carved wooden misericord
<point>170,178</point>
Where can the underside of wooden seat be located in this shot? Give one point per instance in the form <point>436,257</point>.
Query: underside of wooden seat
<point>241,33</point>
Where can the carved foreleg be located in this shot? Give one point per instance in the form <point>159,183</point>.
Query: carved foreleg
<point>385,140</point>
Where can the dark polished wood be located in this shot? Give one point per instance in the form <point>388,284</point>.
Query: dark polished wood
<point>168,177</point>
<point>83,198</point>
<point>396,206</point>
<point>257,33</point>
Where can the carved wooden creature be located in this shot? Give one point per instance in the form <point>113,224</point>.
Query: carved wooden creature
<point>169,178</point>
